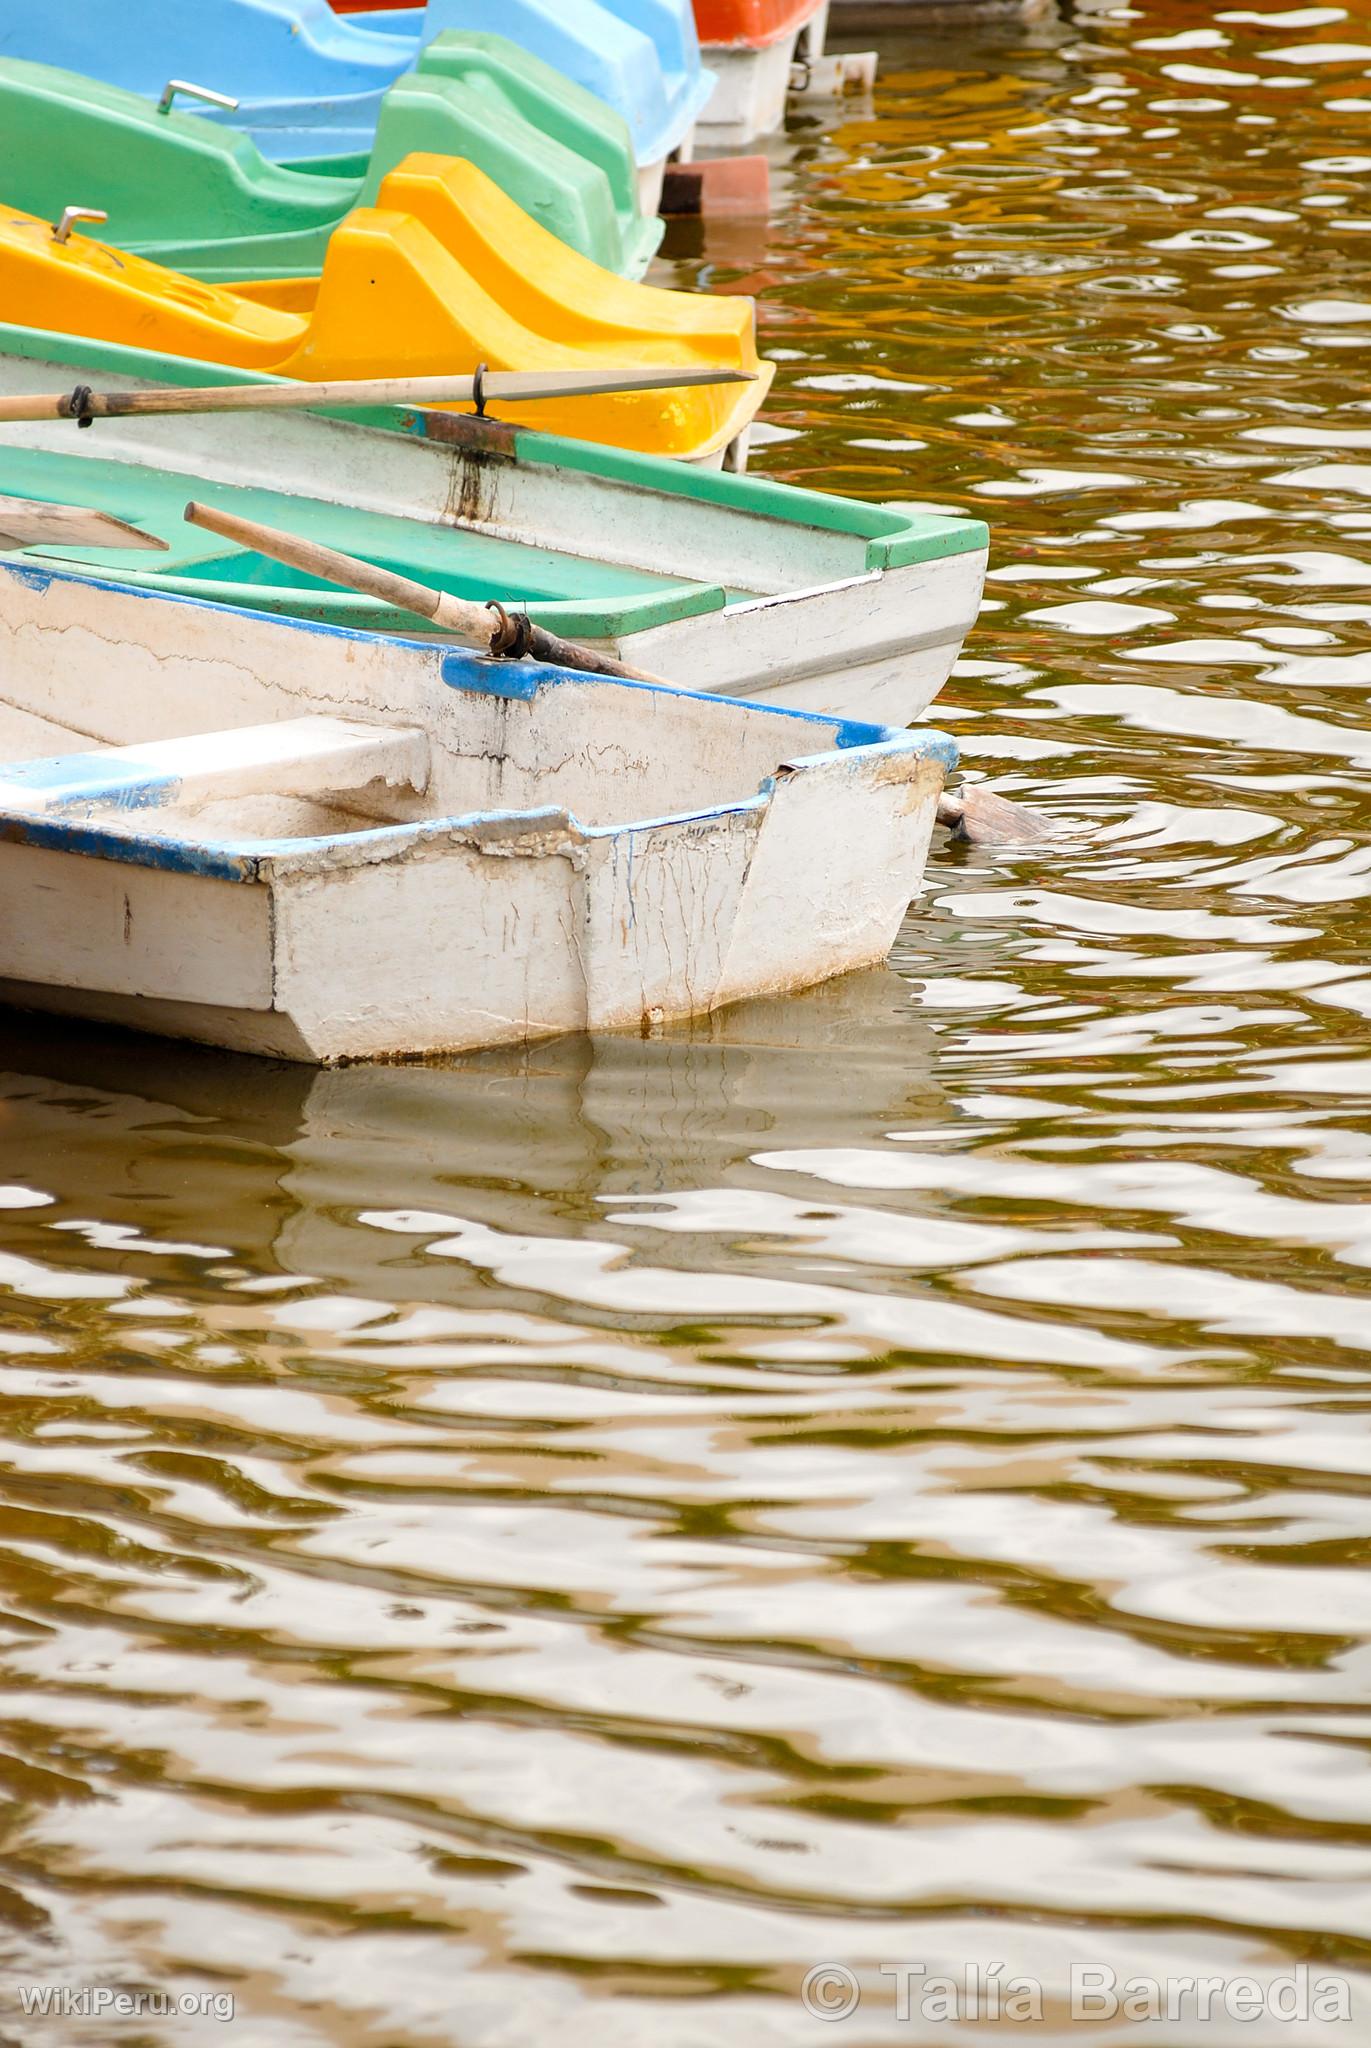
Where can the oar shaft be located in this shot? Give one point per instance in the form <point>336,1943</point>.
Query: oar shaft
<point>550,647</point>
<point>468,621</point>
<point>502,387</point>
<point>42,406</point>
<point>478,625</point>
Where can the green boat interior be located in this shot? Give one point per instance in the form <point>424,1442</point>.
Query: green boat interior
<point>571,593</point>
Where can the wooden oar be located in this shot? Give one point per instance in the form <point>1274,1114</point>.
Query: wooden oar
<point>487,387</point>
<point>31,523</point>
<point>487,626</point>
<point>978,815</point>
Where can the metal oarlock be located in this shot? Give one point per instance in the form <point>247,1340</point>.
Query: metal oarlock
<point>511,637</point>
<point>77,407</point>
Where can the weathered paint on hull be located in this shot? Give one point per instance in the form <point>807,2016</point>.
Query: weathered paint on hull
<point>494,894</point>
<point>417,958</point>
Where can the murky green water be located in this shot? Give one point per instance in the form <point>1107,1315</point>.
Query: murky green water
<point>555,1549</point>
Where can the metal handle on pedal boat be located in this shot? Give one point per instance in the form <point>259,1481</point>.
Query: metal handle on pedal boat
<point>188,91</point>
<point>70,216</point>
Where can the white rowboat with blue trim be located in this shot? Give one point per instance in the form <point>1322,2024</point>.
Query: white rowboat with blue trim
<point>296,839</point>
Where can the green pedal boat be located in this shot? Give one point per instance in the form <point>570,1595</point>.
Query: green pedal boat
<point>202,198</point>
<point>723,583</point>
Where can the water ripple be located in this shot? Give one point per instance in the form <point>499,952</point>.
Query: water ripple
<point>571,1540</point>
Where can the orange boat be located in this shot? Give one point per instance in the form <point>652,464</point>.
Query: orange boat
<point>747,24</point>
<point>753,47</point>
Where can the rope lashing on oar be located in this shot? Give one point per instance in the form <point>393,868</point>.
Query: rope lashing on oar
<point>78,405</point>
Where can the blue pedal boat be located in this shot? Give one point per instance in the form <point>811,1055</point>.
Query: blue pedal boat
<point>604,54</point>
<point>308,83</point>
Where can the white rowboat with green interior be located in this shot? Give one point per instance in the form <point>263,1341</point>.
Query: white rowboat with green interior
<point>722,583</point>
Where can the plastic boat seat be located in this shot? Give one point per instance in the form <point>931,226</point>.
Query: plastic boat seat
<point>565,192</point>
<point>498,92</point>
<point>548,286</point>
<point>309,83</point>
<point>254,50</point>
<point>642,57</point>
<point>85,287</point>
<point>165,180</point>
<point>393,299</point>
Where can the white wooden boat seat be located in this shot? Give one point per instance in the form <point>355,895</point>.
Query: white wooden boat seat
<point>301,758</point>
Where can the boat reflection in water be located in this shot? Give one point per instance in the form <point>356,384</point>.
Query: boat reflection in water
<point>279,1162</point>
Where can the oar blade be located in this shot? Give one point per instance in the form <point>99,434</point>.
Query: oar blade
<point>510,387</point>
<point>32,522</point>
<point>978,815</point>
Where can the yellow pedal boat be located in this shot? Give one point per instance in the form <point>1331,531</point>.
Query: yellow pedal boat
<point>444,273</point>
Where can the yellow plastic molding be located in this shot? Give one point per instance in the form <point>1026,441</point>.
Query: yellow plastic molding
<point>445,273</point>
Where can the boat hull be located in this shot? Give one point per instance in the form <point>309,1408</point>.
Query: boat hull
<point>550,853</point>
<point>740,585</point>
<point>749,99</point>
<point>880,647</point>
